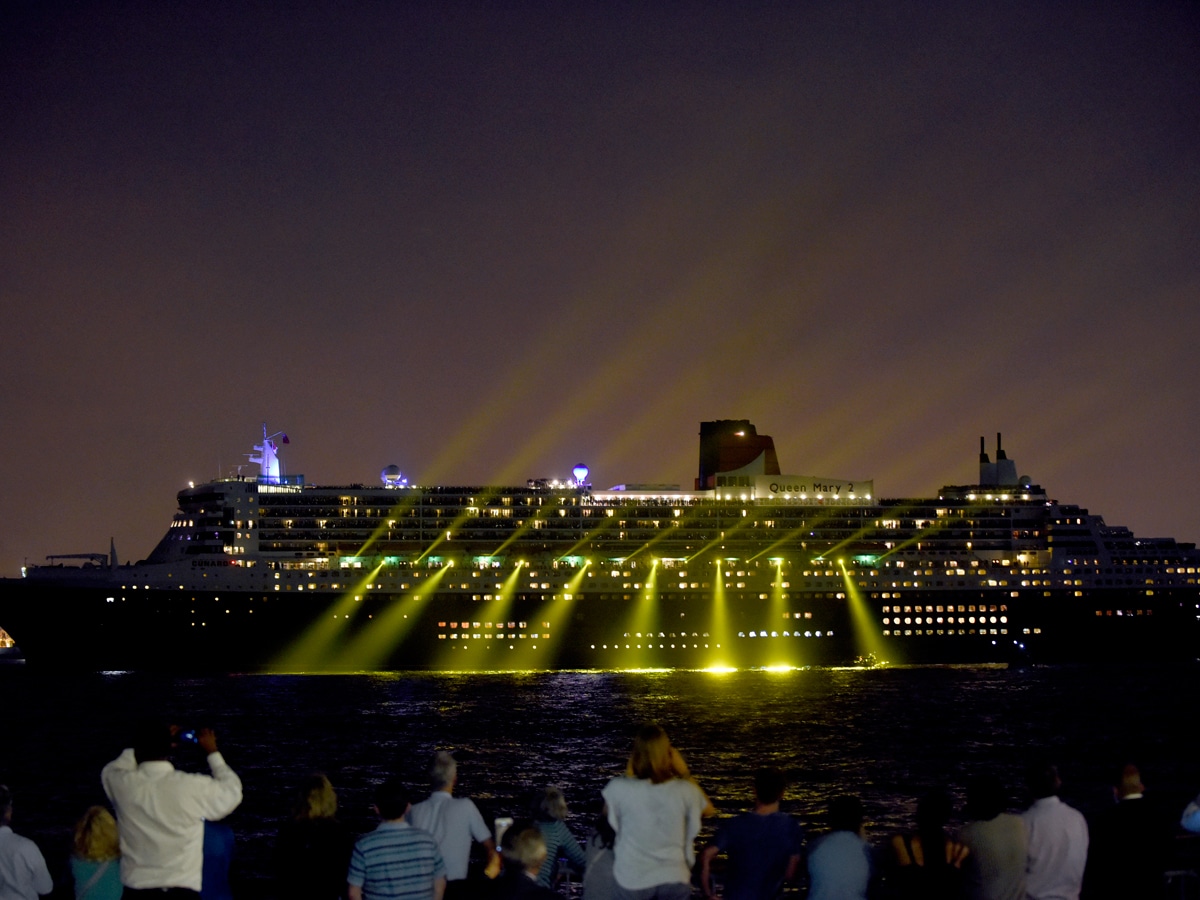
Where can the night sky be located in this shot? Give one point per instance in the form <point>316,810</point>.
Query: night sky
<point>485,242</point>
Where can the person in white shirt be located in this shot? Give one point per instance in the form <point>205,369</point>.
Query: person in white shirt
<point>161,812</point>
<point>23,873</point>
<point>454,823</point>
<point>1058,840</point>
<point>655,809</point>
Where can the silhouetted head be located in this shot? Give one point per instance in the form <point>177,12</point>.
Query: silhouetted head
<point>316,799</point>
<point>152,740</point>
<point>1129,781</point>
<point>1042,779</point>
<point>986,798</point>
<point>392,799</point>
<point>524,845</point>
<point>444,771</point>
<point>769,785</point>
<point>845,814</point>
<point>552,804</point>
<point>933,810</point>
<point>5,804</point>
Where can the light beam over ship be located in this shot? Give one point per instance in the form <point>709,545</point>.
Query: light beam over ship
<point>371,647</point>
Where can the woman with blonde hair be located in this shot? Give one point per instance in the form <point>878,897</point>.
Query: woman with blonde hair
<point>550,812</point>
<point>312,853</point>
<point>655,810</point>
<point>95,859</point>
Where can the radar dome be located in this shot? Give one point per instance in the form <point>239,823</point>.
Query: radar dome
<point>391,476</point>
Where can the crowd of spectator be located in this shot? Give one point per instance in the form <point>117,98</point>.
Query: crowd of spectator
<point>164,838</point>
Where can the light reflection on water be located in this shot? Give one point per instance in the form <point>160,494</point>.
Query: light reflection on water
<point>886,734</point>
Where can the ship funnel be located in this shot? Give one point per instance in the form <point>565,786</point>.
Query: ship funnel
<point>987,468</point>
<point>733,448</point>
<point>1006,469</point>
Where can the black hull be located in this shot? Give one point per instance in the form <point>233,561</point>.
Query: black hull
<point>88,627</point>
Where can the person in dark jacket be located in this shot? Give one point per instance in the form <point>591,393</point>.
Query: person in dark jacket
<point>1130,843</point>
<point>312,851</point>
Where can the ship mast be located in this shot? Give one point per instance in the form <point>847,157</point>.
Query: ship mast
<point>268,456</point>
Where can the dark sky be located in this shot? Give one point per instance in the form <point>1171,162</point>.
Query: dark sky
<point>487,241</point>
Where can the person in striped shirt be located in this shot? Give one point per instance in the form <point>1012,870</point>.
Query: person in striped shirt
<point>396,861</point>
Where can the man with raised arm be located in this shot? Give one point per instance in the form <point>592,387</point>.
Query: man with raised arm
<point>161,812</point>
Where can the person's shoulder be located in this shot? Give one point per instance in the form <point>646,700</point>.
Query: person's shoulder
<point>17,841</point>
<point>621,784</point>
<point>420,808</point>
<point>1071,812</point>
<point>1040,807</point>
<point>828,839</point>
<point>419,837</point>
<point>784,821</point>
<point>550,827</point>
<point>683,786</point>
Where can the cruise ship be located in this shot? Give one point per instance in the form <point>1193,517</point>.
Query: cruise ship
<point>746,567</point>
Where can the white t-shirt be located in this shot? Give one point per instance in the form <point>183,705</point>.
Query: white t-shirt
<point>1058,845</point>
<point>656,827</point>
<point>454,822</point>
<point>160,817</point>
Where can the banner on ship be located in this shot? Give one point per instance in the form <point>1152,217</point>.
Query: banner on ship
<point>812,489</point>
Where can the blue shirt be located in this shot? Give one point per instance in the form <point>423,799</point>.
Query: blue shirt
<point>839,867</point>
<point>218,857</point>
<point>759,848</point>
<point>396,862</point>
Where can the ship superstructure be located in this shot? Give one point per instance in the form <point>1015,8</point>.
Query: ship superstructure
<point>750,567</point>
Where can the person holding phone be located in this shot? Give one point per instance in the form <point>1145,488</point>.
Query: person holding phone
<point>161,811</point>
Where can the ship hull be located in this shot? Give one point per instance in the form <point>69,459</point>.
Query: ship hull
<point>104,627</point>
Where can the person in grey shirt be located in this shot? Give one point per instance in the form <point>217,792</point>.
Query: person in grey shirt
<point>998,842</point>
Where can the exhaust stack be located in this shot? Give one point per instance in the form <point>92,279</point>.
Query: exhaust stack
<point>1002,472</point>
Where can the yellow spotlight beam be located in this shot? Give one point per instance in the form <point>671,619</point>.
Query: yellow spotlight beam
<point>406,502</point>
<point>821,514</point>
<point>310,652</point>
<point>778,604</point>
<point>867,639</point>
<point>409,501</point>
<point>558,612</point>
<point>870,525</point>
<point>497,610</point>
<point>643,615</point>
<point>718,629</point>
<point>377,639</point>
<point>725,535</point>
<point>668,533</point>
<point>605,523</point>
<point>938,525</point>
<point>541,515</point>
